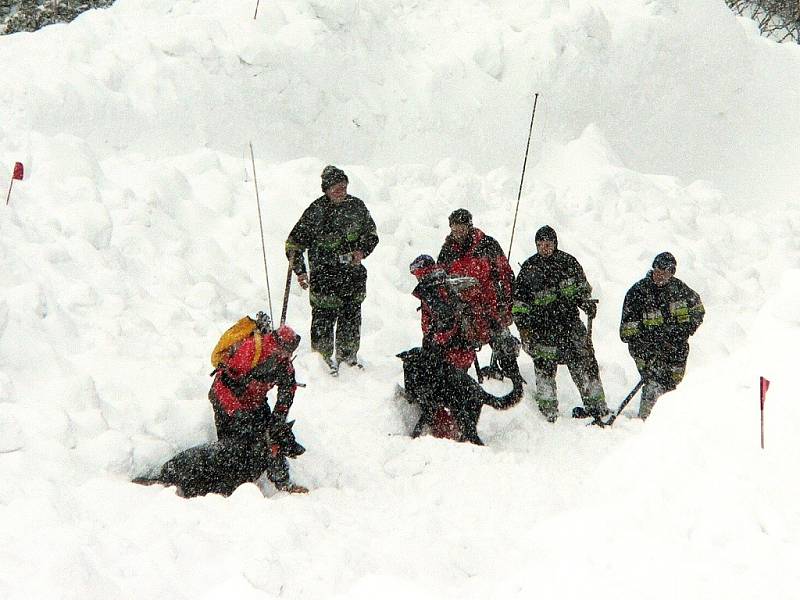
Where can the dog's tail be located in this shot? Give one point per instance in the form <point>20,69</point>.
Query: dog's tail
<point>147,481</point>
<point>502,402</point>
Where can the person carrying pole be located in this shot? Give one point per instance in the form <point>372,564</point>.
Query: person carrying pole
<point>551,287</point>
<point>338,232</point>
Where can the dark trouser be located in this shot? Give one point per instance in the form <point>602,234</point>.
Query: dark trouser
<point>575,352</point>
<point>245,438</point>
<point>346,318</point>
<point>661,374</point>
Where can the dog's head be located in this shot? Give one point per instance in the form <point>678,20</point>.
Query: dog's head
<point>282,435</point>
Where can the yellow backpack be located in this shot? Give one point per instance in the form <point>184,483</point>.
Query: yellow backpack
<point>230,341</point>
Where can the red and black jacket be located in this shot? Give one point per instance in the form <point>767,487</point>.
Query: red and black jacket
<point>481,257</point>
<point>242,383</point>
<point>442,321</point>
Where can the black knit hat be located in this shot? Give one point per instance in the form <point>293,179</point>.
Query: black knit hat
<point>421,262</point>
<point>665,261</point>
<point>547,233</point>
<point>331,176</point>
<point>460,216</point>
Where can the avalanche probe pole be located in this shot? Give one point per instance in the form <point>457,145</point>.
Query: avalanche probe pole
<point>522,178</point>
<point>261,227</point>
<point>493,361</point>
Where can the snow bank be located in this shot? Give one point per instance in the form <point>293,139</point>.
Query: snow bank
<point>133,243</point>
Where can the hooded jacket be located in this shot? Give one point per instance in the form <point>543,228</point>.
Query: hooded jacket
<point>481,257</point>
<point>442,319</point>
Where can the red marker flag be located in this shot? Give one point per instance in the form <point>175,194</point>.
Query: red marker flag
<point>764,385</point>
<point>19,172</point>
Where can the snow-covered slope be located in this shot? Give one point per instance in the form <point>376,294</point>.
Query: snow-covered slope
<point>133,243</point>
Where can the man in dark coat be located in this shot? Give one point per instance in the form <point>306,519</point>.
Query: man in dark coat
<point>659,314</point>
<point>469,252</point>
<point>550,288</point>
<point>338,232</point>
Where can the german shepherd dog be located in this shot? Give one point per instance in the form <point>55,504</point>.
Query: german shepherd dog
<point>222,466</point>
<point>450,401</point>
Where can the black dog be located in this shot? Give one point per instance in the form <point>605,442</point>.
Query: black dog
<point>221,467</point>
<point>434,384</point>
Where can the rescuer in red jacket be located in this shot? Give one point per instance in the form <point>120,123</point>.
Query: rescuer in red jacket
<point>468,251</point>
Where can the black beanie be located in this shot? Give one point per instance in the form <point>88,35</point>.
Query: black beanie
<point>331,176</point>
<point>547,233</point>
<point>421,262</point>
<point>460,216</point>
<point>665,261</point>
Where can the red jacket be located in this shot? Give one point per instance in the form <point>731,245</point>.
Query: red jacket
<point>441,319</point>
<point>240,365</point>
<point>481,257</point>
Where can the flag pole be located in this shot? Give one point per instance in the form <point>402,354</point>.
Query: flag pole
<point>8,196</point>
<point>763,387</point>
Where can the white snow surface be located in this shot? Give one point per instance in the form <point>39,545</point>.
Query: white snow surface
<point>133,243</point>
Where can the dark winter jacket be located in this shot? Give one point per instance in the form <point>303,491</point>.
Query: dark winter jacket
<point>659,320</point>
<point>481,257</point>
<point>547,295</point>
<point>331,233</point>
<point>443,320</point>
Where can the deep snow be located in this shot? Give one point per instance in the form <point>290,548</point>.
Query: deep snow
<point>133,243</point>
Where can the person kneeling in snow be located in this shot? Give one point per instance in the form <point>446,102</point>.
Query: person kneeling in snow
<point>435,375</point>
<point>249,360</point>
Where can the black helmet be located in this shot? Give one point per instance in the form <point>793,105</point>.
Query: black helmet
<point>421,262</point>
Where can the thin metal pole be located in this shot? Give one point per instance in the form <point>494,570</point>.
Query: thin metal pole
<point>8,196</point>
<point>522,178</point>
<point>261,226</point>
<point>256,13</point>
